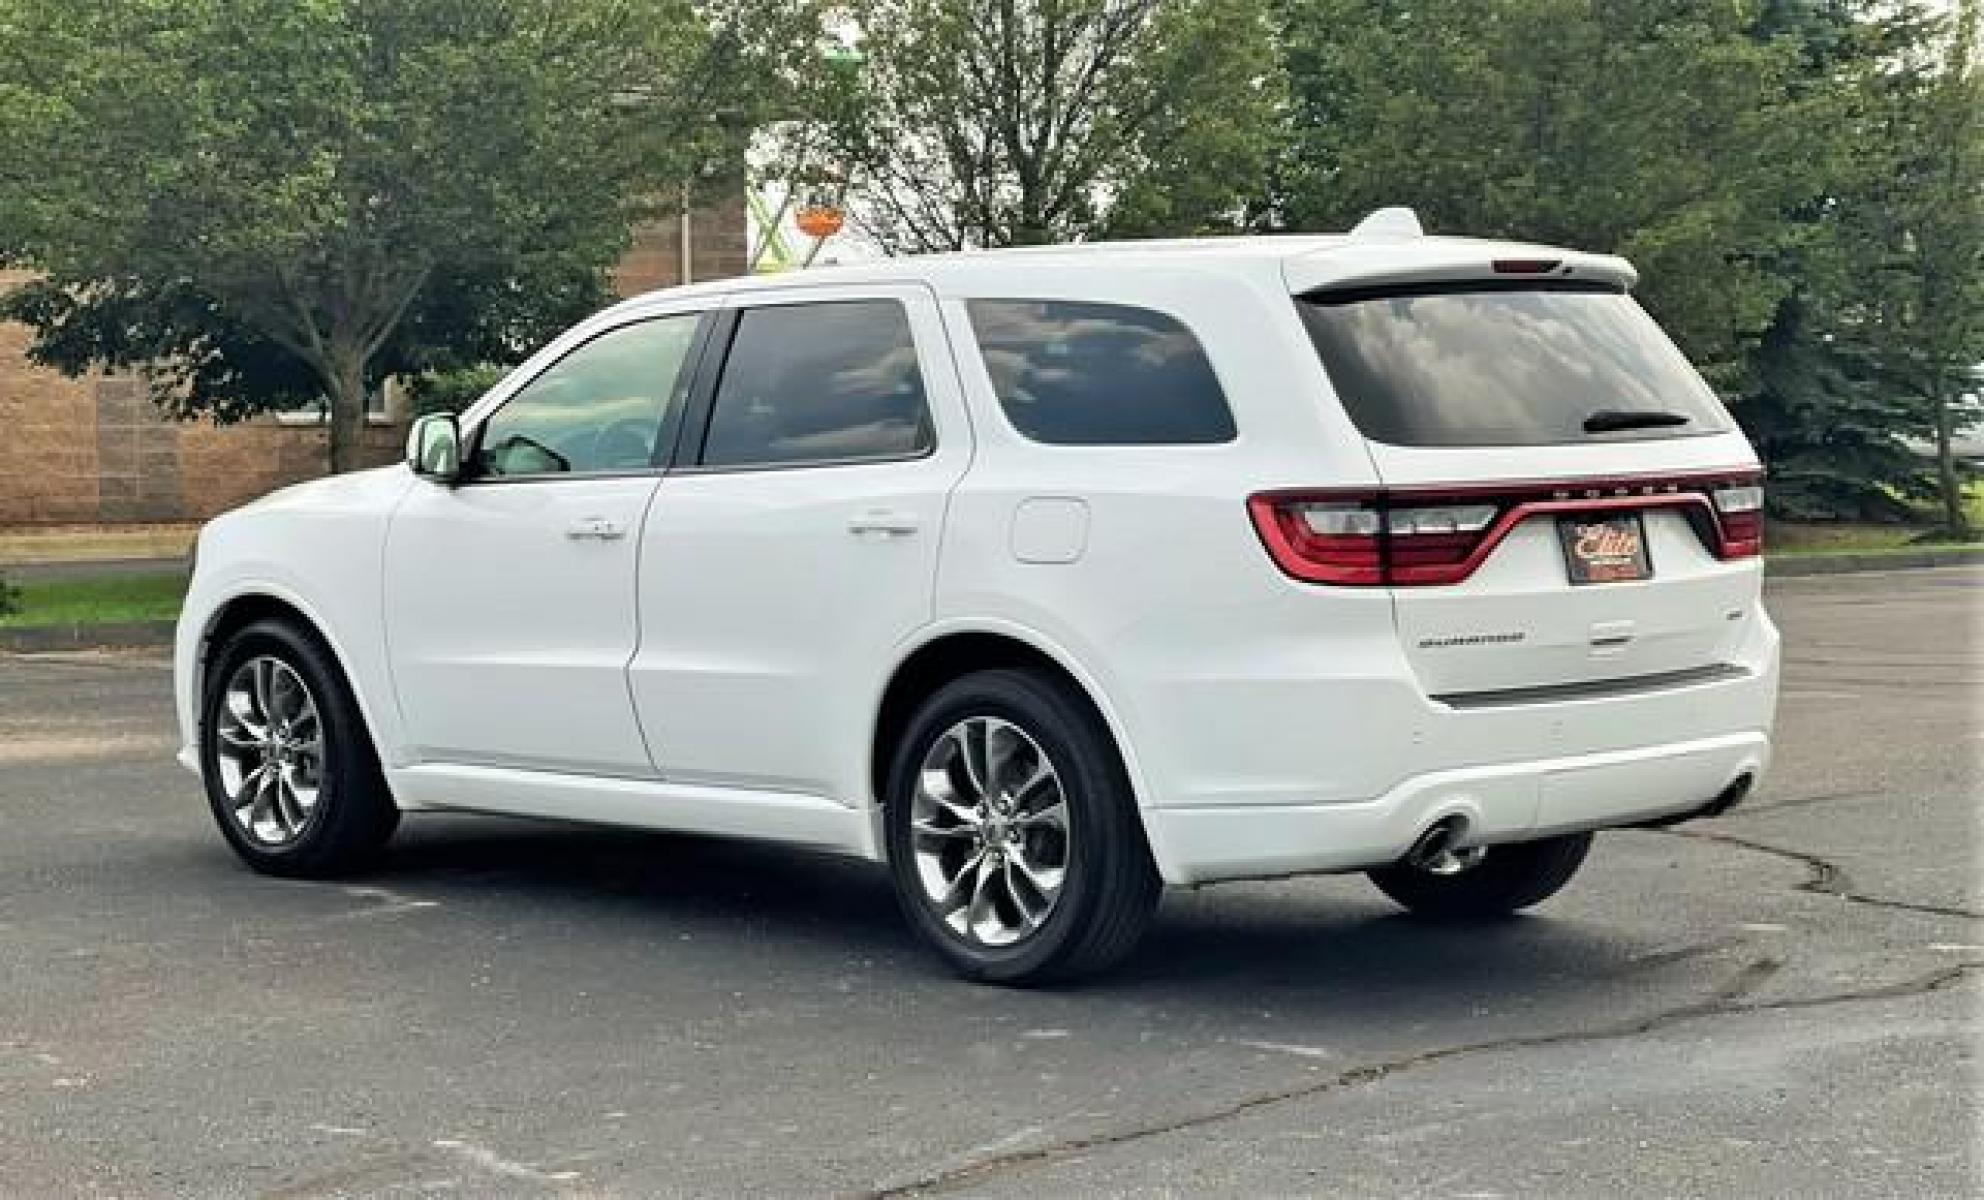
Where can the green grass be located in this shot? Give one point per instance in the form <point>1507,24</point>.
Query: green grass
<point>1837,537</point>
<point>102,601</point>
<point>1851,537</point>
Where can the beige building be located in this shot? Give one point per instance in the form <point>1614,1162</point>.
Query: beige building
<point>94,450</point>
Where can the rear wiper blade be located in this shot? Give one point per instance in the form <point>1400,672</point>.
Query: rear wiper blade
<point>1612,420</point>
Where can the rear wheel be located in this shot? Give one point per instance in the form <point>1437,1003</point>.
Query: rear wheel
<point>289,769</point>
<point>1483,882</point>
<point>1013,836</point>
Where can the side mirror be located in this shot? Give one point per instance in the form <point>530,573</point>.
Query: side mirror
<point>434,448</point>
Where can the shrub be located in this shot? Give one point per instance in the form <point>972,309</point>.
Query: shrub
<point>451,391</point>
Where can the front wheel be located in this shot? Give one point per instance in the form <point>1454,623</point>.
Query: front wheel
<point>289,769</point>
<point>1484,882</point>
<point>1013,835</point>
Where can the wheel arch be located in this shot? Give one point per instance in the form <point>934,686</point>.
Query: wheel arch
<point>258,602</point>
<point>945,654</point>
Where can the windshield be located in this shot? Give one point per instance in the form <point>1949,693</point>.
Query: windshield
<point>1496,364</point>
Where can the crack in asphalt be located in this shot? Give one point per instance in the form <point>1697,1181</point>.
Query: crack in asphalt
<point>1827,878</point>
<point>1726,1000</point>
<point>1750,810</point>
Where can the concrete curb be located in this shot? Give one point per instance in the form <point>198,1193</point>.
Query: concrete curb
<point>1891,560</point>
<point>109,635</point>
<point>20,547</point>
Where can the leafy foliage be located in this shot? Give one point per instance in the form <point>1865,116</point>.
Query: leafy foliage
<point>1660,131</point>
<point>1828,427</point>
<point>1921,235</point>
<point>1796,180</point>
<point>452,391</point>
<point>1050,120</point>
<point>261,200</point>
<point>10,598</point>
<point>1882,291</point>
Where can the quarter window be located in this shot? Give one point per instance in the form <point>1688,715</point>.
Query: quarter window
<point>834,381</point>
<point>1084,374</point>
<point>603,407</point>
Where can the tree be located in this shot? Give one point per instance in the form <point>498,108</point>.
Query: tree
<point>260,201</point>
<point>1028,121</point>
<point>1826,417</point>
<point>1660,130</point>
<point>1927,221</point>
<point>1887,317</point>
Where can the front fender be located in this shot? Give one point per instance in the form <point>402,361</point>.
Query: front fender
<point>316,550</point>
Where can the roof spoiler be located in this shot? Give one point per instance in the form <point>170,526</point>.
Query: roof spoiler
<point>1389,248</point>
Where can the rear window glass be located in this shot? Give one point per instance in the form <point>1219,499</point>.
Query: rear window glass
<point>1502,366</point>
<point>1083,374</point>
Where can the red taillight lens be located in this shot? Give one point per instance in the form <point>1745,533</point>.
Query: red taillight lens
<point>1739,510</point>
<point>1435,535</point>
<point>1366,540</point>
<point>1322,540</point>
<point>1436,543</point>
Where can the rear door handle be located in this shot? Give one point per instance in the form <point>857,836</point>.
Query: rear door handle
<point>884,523</point>
<point>596,529</point>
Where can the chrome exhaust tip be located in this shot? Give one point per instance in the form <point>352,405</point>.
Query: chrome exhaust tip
<point>1726,799</point>
<point>1730,796</point>
<point>1437,840</point>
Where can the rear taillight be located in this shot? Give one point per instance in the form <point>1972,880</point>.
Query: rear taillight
<point>1370,539</point>
<point>1322,540</point>
<point>1422,536</point>
<point>1739,511</point>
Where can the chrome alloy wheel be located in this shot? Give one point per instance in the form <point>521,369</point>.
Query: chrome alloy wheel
<point>989,825</point>
<point>269,748</point>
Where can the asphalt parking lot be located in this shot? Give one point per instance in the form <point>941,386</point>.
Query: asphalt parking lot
<point>1779,1002</point>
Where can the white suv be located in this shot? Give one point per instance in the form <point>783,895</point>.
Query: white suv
<point>1045,576</point>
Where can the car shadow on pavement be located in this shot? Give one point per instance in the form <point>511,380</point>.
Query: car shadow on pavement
<point>1324,941</point>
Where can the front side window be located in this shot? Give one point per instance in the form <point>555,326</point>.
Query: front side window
<point>1082,374</point>
<point>834,381</point>
<point>603,407</point>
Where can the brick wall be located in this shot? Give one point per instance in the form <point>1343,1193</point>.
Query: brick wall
<point>716,245</point>
<point>94,450</point>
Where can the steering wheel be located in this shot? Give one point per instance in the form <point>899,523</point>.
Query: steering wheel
<point>625,443</point>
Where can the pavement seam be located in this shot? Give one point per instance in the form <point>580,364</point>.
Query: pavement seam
<point>89,656</point>
<point>1827,878</point>
<point>1751,810</point>
<point>1724,1001</point>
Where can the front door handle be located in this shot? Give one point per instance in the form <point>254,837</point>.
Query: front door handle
<point>884,523</point>
<point>596,529</point>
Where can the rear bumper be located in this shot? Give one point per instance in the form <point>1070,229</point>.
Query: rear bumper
<point>1507,802</point>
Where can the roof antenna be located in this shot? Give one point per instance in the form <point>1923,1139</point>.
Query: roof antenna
<point>1398,222</point>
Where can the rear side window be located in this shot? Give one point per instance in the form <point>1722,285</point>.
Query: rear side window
<point>1495,365</point>
<point>1081,374</point>
<point>835,381</point>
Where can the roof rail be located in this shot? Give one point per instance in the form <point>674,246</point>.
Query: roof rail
<point>1397,222</point>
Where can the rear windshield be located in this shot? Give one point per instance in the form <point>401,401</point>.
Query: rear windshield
<point>1500,365</point>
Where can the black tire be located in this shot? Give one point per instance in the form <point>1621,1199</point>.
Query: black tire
<point>1110,886</point>
<point>354,813</point>
<point>1508,878</point>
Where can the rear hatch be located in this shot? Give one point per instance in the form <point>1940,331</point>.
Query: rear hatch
<point>1566,506</point>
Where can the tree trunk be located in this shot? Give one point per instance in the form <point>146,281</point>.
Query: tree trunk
<point>347,401</point>
<point>1954,521</point>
